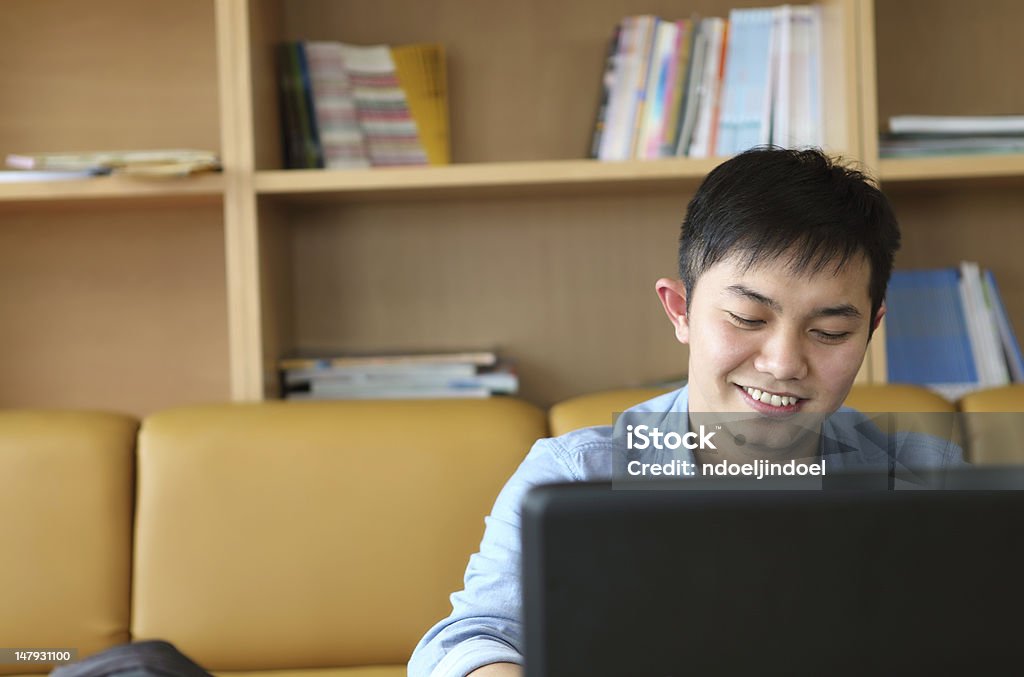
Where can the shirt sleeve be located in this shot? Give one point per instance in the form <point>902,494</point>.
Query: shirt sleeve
<point>485,625</point>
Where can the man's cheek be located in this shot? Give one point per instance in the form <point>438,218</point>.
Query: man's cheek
<point>841,367</point>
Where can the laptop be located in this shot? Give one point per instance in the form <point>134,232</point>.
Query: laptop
<point>708,581</point>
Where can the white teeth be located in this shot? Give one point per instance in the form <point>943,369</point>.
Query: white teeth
<point>773,400</point>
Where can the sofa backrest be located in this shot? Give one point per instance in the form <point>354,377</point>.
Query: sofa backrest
<point>598,408</point>
<point>290,535</point>
<point>66,492</point>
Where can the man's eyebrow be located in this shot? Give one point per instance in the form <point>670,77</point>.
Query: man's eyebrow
<point>840,310</point>
<point>757,297</point>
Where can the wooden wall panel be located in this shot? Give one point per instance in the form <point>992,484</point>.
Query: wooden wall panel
<point>113,309</point>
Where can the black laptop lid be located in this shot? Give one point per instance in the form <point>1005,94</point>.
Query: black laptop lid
<point>753,582</point>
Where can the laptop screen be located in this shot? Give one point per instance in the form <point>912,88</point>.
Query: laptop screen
<point>705,581</point>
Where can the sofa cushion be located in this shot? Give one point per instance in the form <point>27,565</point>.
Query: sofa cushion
<point>367,671</point>
<point>288,535</point>
<point>993,422</point>
<point>66,485</point>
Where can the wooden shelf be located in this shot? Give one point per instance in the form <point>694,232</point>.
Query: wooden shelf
<point>467,180</point>
<point>951,167</point>
<point>106,189</point>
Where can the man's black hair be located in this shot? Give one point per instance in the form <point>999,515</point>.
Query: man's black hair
<point>770,202</point>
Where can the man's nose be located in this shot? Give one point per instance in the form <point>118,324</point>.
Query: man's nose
<point>783,356</point>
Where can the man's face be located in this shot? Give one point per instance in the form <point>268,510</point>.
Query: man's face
<point>781,349</point>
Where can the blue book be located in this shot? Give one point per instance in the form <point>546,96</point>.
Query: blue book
<point>926,332</point>
<point>745,117</point>
<point>314,152</point>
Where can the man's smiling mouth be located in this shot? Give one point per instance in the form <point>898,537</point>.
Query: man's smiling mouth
<point>770,398</point>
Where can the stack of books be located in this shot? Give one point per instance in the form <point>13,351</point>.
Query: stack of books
<point>140,163</point>
<point>399,376</point>
<point>924,135</point>
<point>347,106</point>
<point>948,330</point>
<point>704,87</point>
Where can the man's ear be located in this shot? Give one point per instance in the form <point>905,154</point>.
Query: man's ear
<point>673,299</point>
<point>877,320</point>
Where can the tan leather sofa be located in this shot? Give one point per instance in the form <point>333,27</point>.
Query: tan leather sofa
<point>306,538</point>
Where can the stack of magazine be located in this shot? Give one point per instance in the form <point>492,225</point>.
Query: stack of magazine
<point>471,374</point>
<point>159,163</point>
<point>948,330</point>
<point>924,135</point>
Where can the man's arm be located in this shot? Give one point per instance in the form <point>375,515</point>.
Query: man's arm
<point>485,626</point>
<point>498,670</point>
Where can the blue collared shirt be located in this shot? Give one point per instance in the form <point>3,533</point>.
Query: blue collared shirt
<point>485,624</point>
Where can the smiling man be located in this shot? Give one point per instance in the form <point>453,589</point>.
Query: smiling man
<point>784,258</point>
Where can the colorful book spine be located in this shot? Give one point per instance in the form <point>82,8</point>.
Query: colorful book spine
<point>341,139</point>
<point>744,121</point>
<point>686,116</point>
<point>706,125</point>
<point>607,86</point>
<point>391,133</point>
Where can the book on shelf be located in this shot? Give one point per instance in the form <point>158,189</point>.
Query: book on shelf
<point>928,135</point>
<point>697,138</point>
<point>30,175</point>
<point>651,114</point>
<point>683,107</point>
<point>342,143</point>
<point>1007,337</point>
<point>745,119</point>
<point>628,87</point>
<point>905,146</point>
<point>392,393</point>
<point>422,74</point>
<point>957,124</point>
<point>144,163</point>
<point>947,329</point>
<point>481,358</point>
<point>346,106</point>
<point>399,376</point>
<point>607,83</point>
<point>702,87</point>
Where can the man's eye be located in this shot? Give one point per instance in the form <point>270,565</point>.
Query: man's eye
<point>830,337</point>
<point>744,322</point>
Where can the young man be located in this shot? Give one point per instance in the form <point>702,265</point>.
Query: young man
<point>784,259</point>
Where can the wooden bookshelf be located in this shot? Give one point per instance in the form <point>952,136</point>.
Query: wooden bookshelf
<point>519,245</point>
<point>106,191</point>
<point>950,208</point>
<point>476,179</point>
<point>951,168</point>
<point>112,290</point>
